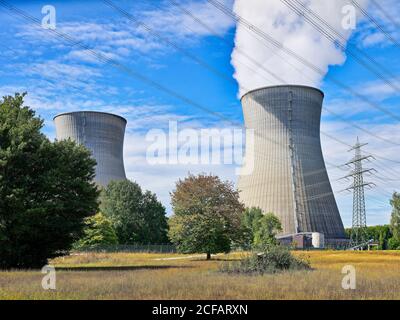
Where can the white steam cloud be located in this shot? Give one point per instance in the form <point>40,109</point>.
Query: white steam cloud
<point>283,24</point>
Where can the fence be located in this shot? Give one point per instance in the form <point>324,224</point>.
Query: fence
<point>134,248</point>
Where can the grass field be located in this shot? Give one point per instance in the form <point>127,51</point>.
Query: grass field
<point>167,276</point>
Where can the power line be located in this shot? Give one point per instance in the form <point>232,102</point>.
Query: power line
<point>253,60</point>
<point>361,129</point>
<point>170,42</point>
<point>102,58</point>
<point>348,145</point>
<point>123,68</point>
<point>252,28</point>
<point>305,12</point>
<point>129,16</point>
<point>386,159</point>
<point>241,52</point>
<point>273,75</point>
<point>376,23</point>
<point>386,14</point>
<point>51,83</point>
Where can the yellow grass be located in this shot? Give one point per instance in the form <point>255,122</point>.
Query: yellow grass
<point>145,276</point>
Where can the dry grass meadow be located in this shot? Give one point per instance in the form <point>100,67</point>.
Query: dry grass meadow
<point>167,276</point>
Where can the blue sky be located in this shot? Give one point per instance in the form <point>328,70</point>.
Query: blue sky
<point>60,78</point>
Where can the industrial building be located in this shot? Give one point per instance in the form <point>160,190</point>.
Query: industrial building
<point>103,134</point>
<point>289,177</point>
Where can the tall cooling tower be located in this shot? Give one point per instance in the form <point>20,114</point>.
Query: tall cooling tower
<point>103,134</point>
<point>289,176</point>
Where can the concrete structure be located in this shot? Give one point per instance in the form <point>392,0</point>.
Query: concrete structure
<point>103,134</point>
<point>303,240</point>
<point>289,176</point>
<point>318,240</point>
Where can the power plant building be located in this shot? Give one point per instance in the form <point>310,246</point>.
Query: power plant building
<point>103,134</point>
<point>289,177</point>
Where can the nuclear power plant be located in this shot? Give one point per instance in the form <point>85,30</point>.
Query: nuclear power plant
<point>289,177</point>
<point>103,134</point>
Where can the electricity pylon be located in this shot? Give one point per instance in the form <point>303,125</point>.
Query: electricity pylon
<point>359,226</point>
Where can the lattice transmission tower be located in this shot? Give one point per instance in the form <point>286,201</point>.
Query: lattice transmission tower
<point>359,235</point>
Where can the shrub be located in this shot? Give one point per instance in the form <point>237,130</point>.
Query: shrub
<point>393,244</point>
<point>273,259</point>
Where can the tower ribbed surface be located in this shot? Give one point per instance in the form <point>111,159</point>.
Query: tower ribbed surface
<point>289,176</point>
<point>103,134</point>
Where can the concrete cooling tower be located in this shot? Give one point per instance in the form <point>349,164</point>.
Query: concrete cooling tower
<point>103,134</point>
<point>289,176</point>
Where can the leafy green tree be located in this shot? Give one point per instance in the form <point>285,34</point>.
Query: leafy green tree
<point>395,219</point>
<point>380,234</point>
<point>384,236</point>
<point>98,231</point>
<point>267,227</point>
<point>46,189</point>
<point>136,216</point>
<point>207,215</point>
<point>250,222</point>
<point>260,229</point>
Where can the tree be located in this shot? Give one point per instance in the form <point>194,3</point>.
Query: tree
<point>136,216</point>
<point>46,189</point>
<point>380,234</point>
<point>98,231</point>
<point>260,229</point>
<point>250,222</point>
<point>267,227</point>
<point>395,219</point>
<point>207,215</point>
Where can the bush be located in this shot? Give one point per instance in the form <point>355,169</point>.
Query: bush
<point>273,259</point>
<point>394,244</point>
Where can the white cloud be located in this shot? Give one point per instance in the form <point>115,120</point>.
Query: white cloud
<point>172,20</point>
<point>373,39</point>
<point>54,70</point>
<point>380,90</point>
<point>122,37</point>
<point>388,19</point>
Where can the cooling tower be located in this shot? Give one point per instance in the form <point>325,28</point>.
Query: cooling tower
<point>289,176</point>
<point>103,134</point>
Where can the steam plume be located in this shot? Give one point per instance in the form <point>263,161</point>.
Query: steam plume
<point>280,22</point>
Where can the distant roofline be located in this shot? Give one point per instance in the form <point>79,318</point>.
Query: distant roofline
<point>283,86</point>
<point>96,112</point>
